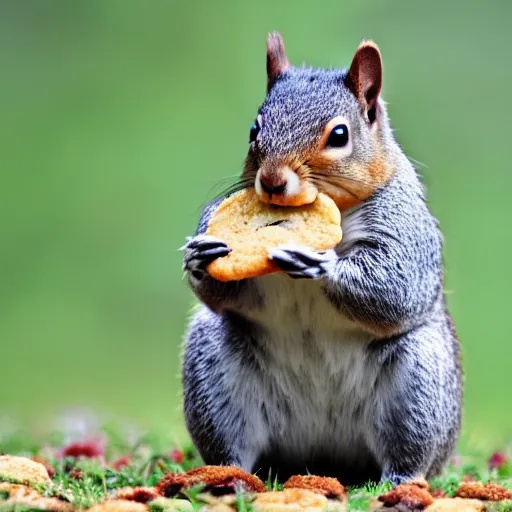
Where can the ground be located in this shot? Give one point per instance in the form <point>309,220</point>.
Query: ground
<point>87,471</point>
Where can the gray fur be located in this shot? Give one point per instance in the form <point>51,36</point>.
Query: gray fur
<point>353,371</point>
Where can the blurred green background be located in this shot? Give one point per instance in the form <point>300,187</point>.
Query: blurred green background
<point>120,118</point>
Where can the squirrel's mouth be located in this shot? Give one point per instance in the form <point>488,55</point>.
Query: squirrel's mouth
<point>309,189</point>
<point>283,187</point>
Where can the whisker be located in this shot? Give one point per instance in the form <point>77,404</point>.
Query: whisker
<point>417,163</point>
<point>219,186</point>
<point>326,186</point>
<point>241,184</point>
<point>338,179</point>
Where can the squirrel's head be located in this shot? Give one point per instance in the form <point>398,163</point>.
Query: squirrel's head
<point>319,130</point>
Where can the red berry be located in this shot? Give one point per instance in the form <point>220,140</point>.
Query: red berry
<point>89,449</point>
<point>497,460</point>
<point>177,456</point>
<point>121,463</point>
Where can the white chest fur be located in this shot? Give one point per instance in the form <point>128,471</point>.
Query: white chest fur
<point>316,381</point>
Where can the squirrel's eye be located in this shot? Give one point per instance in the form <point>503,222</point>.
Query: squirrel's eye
<point>338,137</point>
<point>255,129</point>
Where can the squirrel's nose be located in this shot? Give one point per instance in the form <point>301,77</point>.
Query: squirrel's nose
<point>271,188</point>
<point>272,181</point>
<point>281,185</point>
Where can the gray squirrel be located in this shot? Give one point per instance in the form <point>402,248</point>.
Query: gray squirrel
<point>347,363</point>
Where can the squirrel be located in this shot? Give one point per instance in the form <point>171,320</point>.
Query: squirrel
<point>347,362</point>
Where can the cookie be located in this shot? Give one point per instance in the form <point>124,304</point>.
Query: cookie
<point>250,228</point>
<point>480,491</point>
<point>410,495</point>
<point>23,470</point>
<point>290,500</point>
<point>329,487</point>
<point>220,478</point>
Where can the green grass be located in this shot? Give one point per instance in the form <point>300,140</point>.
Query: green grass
<point>86,481</point>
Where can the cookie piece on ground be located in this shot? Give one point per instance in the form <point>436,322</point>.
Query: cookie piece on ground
<point>410,495</point>
<point>51,504</point>
<point>216,479</point>
<point>23,470</point>
<point>455,505</point>
<point>250,228</point>
<point>290,500</point>
<point>480,491</point>
<point>119,506</point>
<point>139,494</point>
<point>17,492</point>
<point>218,507</point>
<point>329,487</point>
<point>46,464</point>
<point>22,497</point>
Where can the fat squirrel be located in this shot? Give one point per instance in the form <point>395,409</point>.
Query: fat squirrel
<point>347,363</point>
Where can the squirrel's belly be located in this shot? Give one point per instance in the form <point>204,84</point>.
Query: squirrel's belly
<point>317,380</point>
<point>322,406</point>
<point>294,306</point>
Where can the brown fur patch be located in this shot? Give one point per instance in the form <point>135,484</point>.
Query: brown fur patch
<point>379,172</point>
<point>348,190</point>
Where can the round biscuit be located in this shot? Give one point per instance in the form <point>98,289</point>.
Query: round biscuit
<point>250,228</point>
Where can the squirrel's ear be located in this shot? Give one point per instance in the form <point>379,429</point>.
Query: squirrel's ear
<point>277,62</point>
<point>364,78</point>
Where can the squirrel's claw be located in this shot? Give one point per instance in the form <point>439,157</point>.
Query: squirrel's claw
<point>200,251</point>
<point>303,262</point>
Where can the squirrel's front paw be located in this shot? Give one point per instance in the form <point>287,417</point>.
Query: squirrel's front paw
<point>303,262</point>
<point>200,251</point>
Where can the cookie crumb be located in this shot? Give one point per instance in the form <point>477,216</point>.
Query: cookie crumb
<point>138,494</point>
<point>217,479</point>
<point>329,487</point>
<point>455,505</point>
<point>290,500</point>
<point>480,491</point>
<point>410,495</point>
